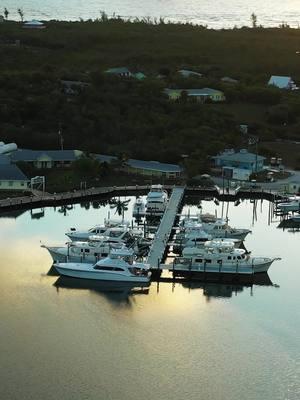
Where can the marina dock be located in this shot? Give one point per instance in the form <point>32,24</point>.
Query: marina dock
<point>161,239</point>
<point>40,199</point>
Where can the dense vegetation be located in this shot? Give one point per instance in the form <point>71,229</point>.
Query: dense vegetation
<point>132,117</point>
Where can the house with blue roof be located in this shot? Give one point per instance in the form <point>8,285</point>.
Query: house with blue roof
<point>44,159</point>
<point>282,82</point>
<point>241,160</point>
<point>145,168</point>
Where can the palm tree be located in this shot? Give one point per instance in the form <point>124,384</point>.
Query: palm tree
<point>120,206</point>
<point>6,12</point>
<point>21,13</point>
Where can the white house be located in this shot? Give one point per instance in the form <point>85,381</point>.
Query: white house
<point>282,82</point>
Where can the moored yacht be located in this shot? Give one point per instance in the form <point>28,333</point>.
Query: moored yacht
<point>197,237</point>
<point>118,266</point>
<point>157,200</point>
<point>102,230</point>
<point>91,251</point>
<point>217,229</point>
<point>121,232</point>
<point>220,257</point>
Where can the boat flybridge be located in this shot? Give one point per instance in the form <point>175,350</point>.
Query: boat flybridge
<point>218,256</point>
<point>197,237</point>
<point>119,265</point>
<point>156,201</point>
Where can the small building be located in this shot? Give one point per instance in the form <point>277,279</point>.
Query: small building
<point>34,24</point>
<point>241,160</point>
<point>46,158</point>
<point>199,95</point>
<point>121,72</point>
<point>239,174</point>
<point>12,178</point>
<point>282,82</point>
<point>186,73</point>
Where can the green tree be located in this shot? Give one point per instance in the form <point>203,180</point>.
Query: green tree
<point>254,20</point>
<point>21,13</point>
<point>120,206</point>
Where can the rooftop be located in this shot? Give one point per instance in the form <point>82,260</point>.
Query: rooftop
<point>11,172</point>
<point>280,81</point>
<point>195,92</point>
<point>241,156</point>
<point>55,155</point>
<point>140,164</point>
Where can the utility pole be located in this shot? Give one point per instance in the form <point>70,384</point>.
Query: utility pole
<point>61,138</point>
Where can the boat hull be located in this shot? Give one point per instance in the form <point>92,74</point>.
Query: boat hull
<point>245,269</point>
<point>98,275</point>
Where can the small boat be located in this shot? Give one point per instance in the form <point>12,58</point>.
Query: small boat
<point>220,257</point>
<point>139,209</point>
<point>156,201</point>
<point>118,266</point>
<point>293,204</point>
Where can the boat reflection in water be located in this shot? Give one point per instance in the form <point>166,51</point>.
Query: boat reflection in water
<point>115,292</point>
<point>226,288</point>
<point>290,225</point>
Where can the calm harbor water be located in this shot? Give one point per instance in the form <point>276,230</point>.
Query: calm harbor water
<point>215,14</point>
<point>212,341</point>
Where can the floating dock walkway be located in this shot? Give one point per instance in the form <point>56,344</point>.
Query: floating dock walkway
<point>161,239</point>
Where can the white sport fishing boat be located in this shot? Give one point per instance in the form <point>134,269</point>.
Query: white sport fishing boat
<point>156,201</point>
<point>220,257</point>
<point>118,266</point>
<point>139,209</point>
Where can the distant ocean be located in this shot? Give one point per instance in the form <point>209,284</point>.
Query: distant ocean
<point>213,13</point>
